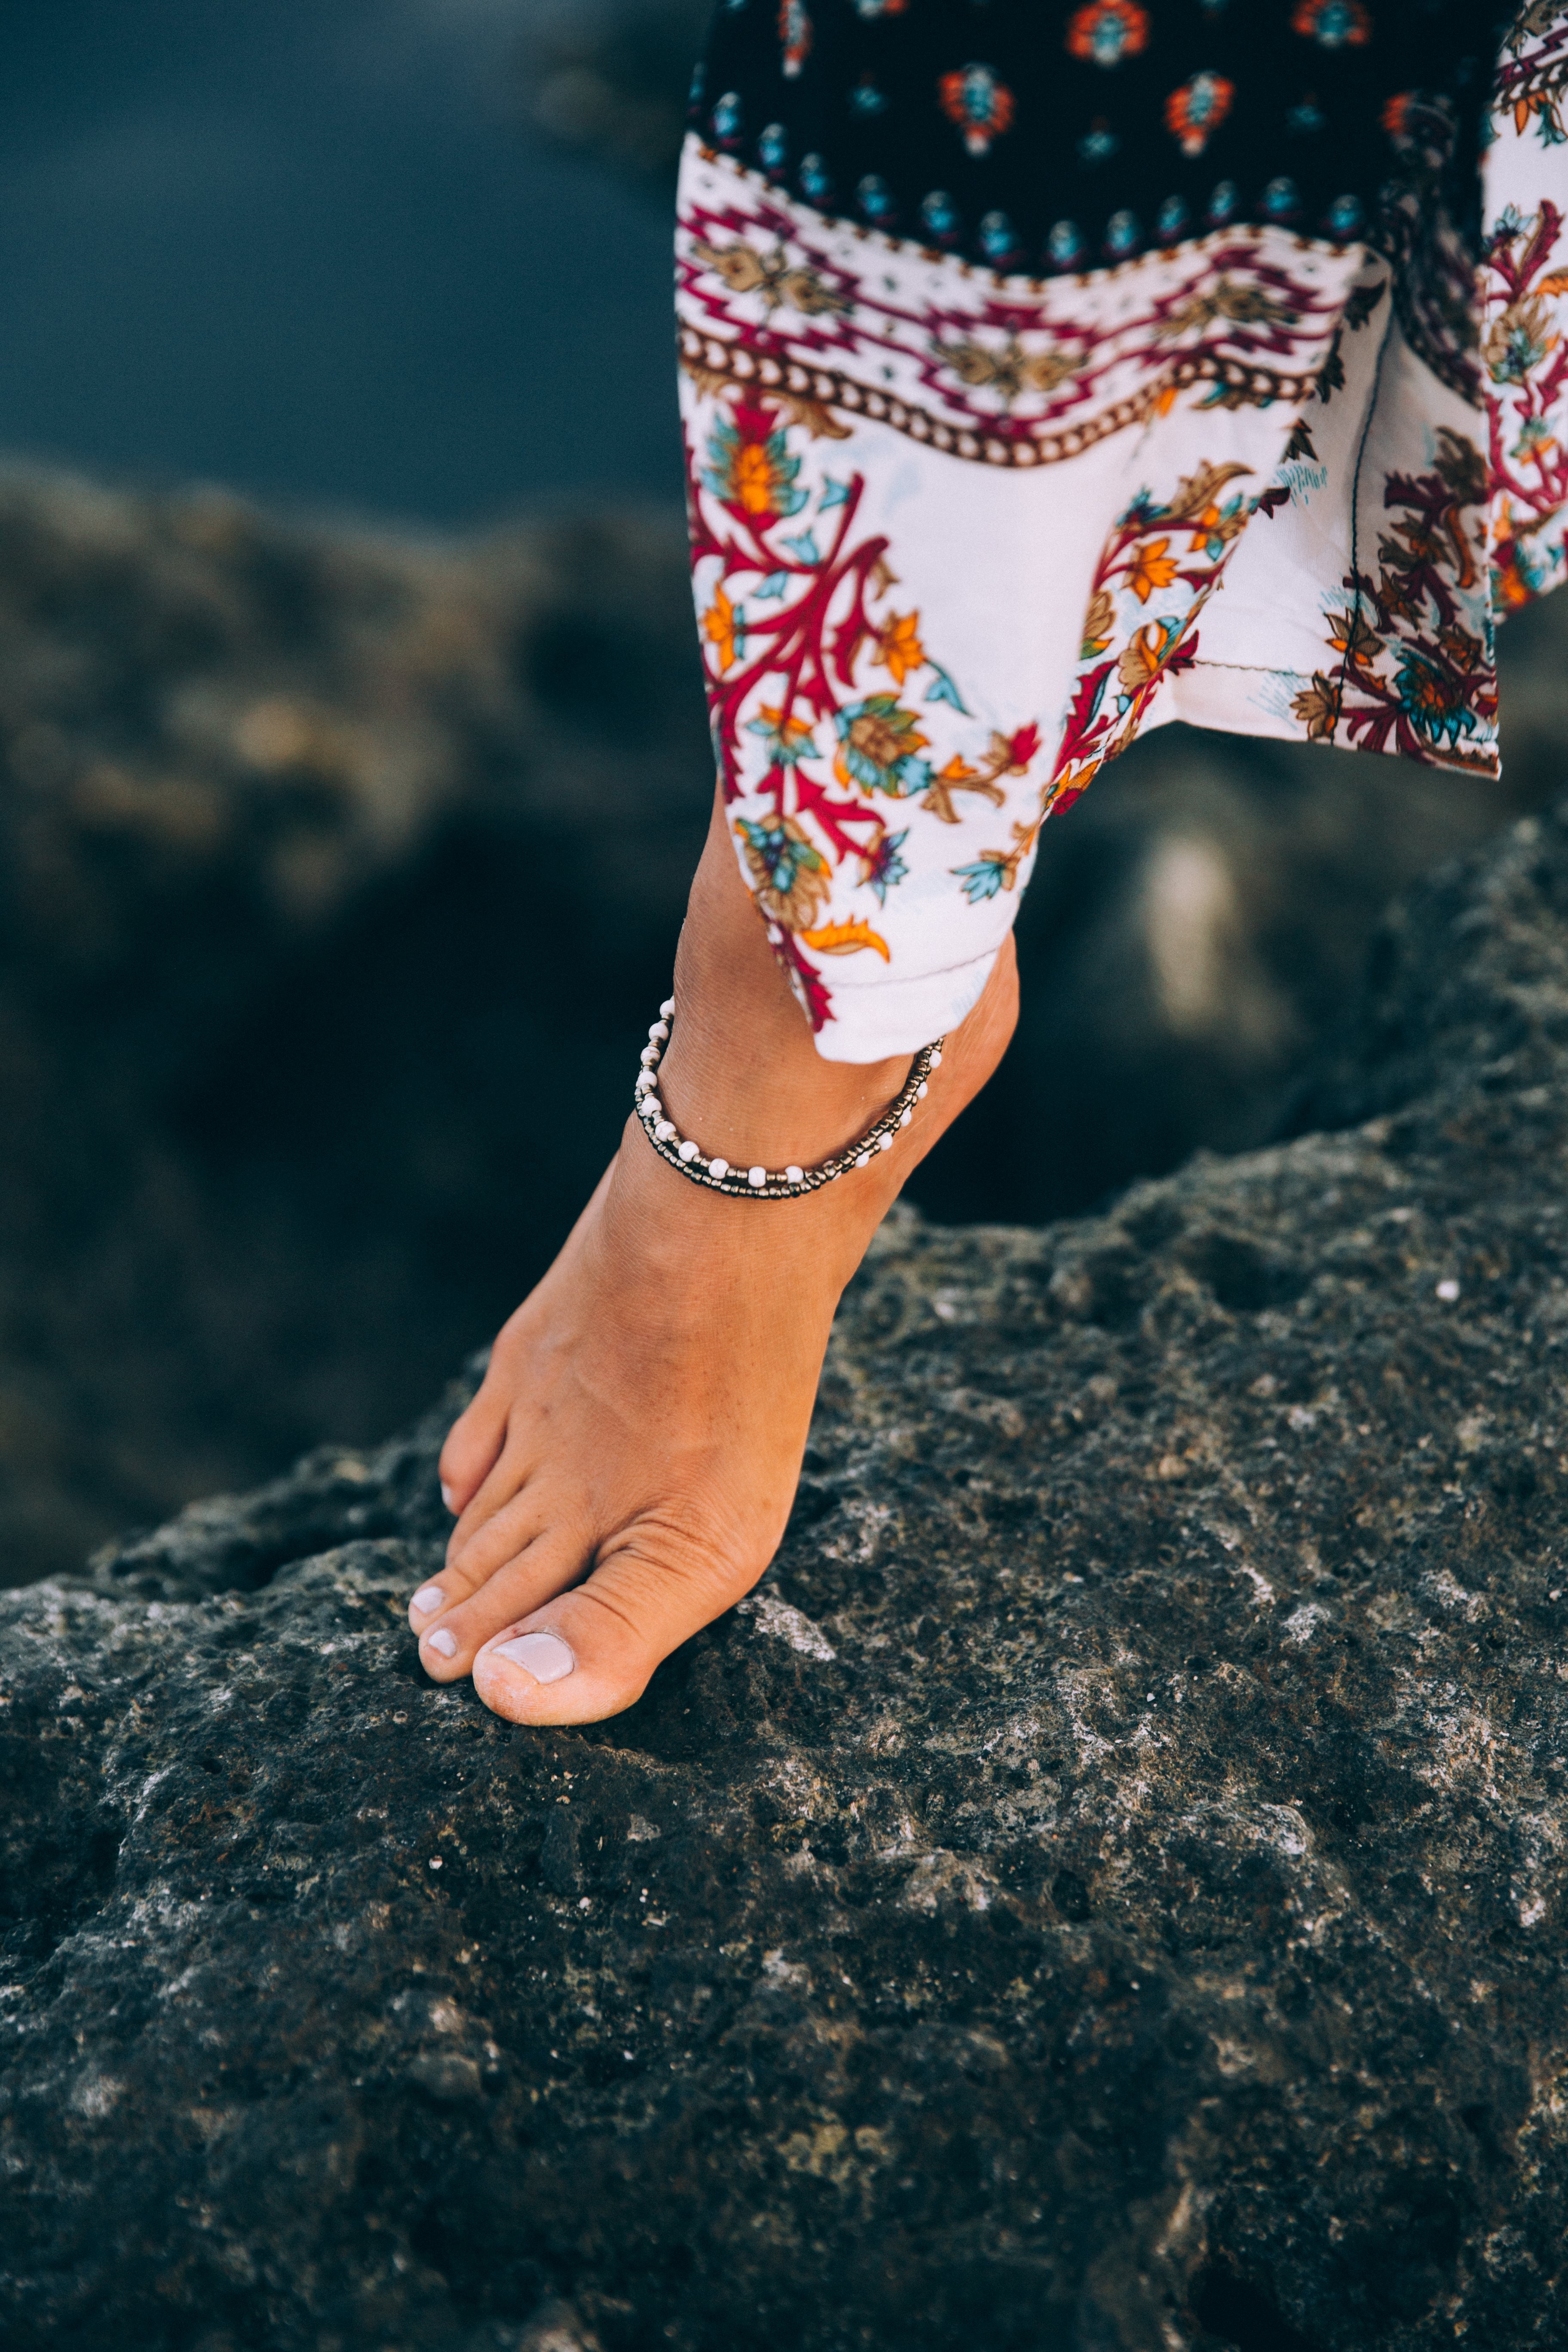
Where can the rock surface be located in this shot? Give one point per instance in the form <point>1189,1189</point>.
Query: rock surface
<point>1105,1891</point>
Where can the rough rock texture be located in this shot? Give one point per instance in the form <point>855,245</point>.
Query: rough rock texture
<point>1105,1891</point>
<point>333,865</point>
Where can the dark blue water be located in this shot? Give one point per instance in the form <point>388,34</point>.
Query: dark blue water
<point>301,246</point>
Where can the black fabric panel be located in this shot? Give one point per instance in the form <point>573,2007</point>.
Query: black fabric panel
<point>1320,97</point>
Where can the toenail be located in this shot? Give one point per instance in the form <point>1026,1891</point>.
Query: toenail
<point>444,1640</point>
<point>546,1656</point>
<point>428,1597</point>
<point>446,1496</point>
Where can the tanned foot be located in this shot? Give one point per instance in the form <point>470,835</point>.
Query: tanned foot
<point>626,1471</point>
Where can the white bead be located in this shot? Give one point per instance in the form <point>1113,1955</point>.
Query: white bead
<point>905,1117</point>
<point>665,1130</point>
<point>758,1176</point>
<point>719,1167</point>
<point>920,1091</point>
<point>660,1030</point>
<point>649,1054</point>
<point>645,1080</point>
<point>688,1152</point>
<point>935,1062</point>
<point>794,1175</point>
<point>885,1143</point>
<point>667,1008</point>
<point>864,1161</point>
<point>651,1108</point>
<point>775,936</point>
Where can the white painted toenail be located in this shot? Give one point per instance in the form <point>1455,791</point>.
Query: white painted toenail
<point>446,1496</point>
<point>545,1656</point>
<point>444,1640</point>
<point>428,1597</point>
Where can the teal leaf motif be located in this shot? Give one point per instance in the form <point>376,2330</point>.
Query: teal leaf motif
<point>942,689</point>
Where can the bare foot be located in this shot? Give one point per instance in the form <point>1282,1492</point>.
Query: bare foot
<point>626,1469</point>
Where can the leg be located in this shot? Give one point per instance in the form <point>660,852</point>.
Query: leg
<point>626,1469</point>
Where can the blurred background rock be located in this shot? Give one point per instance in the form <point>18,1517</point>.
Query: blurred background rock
<point>345,817</point>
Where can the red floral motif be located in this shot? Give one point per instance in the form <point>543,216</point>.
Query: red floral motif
<point>1410,676</point>
<point>1106,31</point>
<point>979,103</point>
<point>1333,24</point>
<point>1115,686</point>
<point>794,36</point>
<point>799,609</point>
<point>1534,71</point>
<point>1396,115</point>
<point>1526,357</point>
<point>1194,112</point>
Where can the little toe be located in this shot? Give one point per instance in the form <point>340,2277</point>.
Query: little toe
<point>614,1629</point>
<point>473,1446</point>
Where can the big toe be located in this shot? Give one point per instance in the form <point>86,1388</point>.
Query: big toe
<point>592,1651</point>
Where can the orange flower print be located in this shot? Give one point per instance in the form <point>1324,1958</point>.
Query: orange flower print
<point>1194,112</point>
<point>725,630</point>
<point>1333,24</point>
<point>979,103</point>
<point>749,465</point>
<point>1151,569</point>
<point>899,647</point>
<point>1106,31</point>
<point>754,480</point>
<point>1146,656</point>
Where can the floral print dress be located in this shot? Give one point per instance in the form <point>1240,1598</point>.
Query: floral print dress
<point>1051,371</point>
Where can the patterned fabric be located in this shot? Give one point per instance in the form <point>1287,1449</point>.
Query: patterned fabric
<point>1026,135</point>
<point>959,532</point>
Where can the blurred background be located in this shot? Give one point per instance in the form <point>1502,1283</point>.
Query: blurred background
<point>353,761</point>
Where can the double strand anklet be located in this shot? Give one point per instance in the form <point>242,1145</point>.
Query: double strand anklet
<point>767,1183</point>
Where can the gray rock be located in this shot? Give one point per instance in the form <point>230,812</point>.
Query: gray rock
<point>1106,1892</point>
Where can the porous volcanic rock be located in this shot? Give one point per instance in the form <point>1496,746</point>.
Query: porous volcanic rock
<point>1105,1891</point>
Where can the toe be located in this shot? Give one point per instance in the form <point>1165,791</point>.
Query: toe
<point>539,1566</point>
<point>487,1518</point>
<point>473,1446</point>
<point>606,1635</point>
<point>470,1564</point>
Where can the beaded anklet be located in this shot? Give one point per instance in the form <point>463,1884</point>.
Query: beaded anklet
<point>764,1184</point>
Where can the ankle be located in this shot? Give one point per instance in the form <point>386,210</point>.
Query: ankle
<point>742,1073</point>
<point>742,1076</point>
